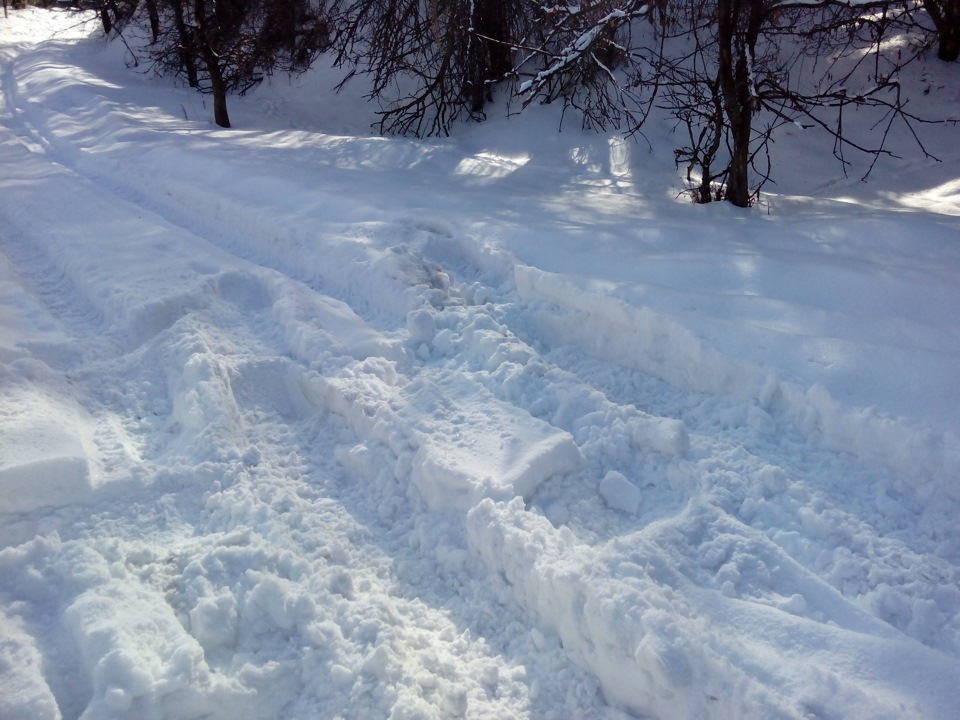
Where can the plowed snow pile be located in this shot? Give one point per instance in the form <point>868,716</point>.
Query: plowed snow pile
<point>299,422</point>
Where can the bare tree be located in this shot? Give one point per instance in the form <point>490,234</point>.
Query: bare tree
<point>430,62</point>
<point>219,46</point>
<point>732,72</point>
<point>946,19</point>
<point>585,56</point>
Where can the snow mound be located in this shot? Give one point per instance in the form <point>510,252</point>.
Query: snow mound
<point>662,647</point>
<point>26,693</point>
<point>612,329</point>
<point>643,339</point>
<point>141,662</point>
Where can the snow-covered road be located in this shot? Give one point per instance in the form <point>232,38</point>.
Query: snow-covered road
<point>305,425</point>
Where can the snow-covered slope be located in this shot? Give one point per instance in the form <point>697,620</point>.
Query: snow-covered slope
<point>297,422</point>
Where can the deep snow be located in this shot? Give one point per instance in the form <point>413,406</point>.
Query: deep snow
<point>298,422</point>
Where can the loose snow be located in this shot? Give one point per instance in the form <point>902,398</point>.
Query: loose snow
<point>298,422</point>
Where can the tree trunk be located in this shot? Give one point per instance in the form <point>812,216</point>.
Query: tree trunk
<point>738,28</point>
<point>187,47</point>
<point>738,179</point>
<point>949,47</point>
<point>154,16</point>
<point>489,60</point>
<point>946,19</point>
<point>737,190</point>
<point>217,86</point>
<point>286,19</point>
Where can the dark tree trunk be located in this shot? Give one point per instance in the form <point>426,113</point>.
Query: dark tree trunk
<point>286,21</point>
<point>946,18</point>
<point>154,20</point>
<point>949,47</point>
<point>105,20</point>
<point>187,50</point>
<point>217,85</point>
<point>490,57</point>
<point>730,61</point>
<point>738,27</point>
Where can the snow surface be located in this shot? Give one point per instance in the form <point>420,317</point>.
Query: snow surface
<point>298,422</point>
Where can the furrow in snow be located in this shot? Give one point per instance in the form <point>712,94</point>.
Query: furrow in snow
<point>852,525</point>
<point>664,647</point>
<point>735,454</point>
<point>370,473</point>
<point>190,199</point>
<point>610,328</point>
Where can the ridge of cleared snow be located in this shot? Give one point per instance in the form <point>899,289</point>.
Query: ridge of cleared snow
<point>303,425</point>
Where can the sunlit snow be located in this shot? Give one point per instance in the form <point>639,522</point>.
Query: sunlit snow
<point>299,422</point>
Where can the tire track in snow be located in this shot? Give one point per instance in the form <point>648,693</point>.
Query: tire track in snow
<point>669,668</point>
<point>389,644</point>
<point>41,278</point>
<point>212,415</point>
<point>852,527</point>
<point>199,208</point>
<point>718,552</point>
<point>35,267</point>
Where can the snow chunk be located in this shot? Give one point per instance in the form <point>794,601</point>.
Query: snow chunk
<point>619,493</point>
<point>43,458</point>
<point>468,444</point>
<point>495,465</point>
<point>421,325</point>
<point>665,435</point>
<point>214,621</point>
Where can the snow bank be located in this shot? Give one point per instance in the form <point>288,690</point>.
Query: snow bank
<point>611,328</point>
<point>642,640</point>
<point>930,459</point>
<point>316,325</point>
<point>663,647</point>
<point>641,338</point>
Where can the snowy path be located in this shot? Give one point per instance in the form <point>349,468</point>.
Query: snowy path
<point>280,438</point>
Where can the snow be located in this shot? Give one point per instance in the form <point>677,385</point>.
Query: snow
<point>298,422</point>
